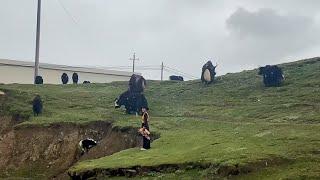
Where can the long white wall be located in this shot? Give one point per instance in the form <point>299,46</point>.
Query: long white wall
<point>24,75</point>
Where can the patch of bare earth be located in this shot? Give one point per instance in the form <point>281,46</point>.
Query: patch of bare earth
<point>52,149</point>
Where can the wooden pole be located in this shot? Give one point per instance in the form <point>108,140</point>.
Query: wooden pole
<point>134,59</point>
<point>162,67</point>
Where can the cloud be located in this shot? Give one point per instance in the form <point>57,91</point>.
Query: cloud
<point>267,23</point>
<point>265,36</point>
<point>182,33</point>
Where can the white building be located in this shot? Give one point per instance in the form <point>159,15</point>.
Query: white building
<point>22,72</point>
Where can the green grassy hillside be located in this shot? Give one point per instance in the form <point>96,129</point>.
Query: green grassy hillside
<point>236,122</point>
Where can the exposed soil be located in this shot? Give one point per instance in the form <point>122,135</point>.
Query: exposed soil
<point>214,171</point>
<point>28,150</point>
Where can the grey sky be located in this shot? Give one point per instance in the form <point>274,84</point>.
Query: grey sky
<point>182,33</point>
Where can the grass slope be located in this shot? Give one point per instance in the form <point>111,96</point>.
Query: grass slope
<point>235,121</point>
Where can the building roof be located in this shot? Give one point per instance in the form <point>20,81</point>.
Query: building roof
<point>64,67</point>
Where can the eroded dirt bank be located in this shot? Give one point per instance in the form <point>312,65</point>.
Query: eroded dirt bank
<point>48,151</point>
<point>215,171</point>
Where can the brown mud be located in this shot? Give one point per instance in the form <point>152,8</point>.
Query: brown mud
<point>47,151</point>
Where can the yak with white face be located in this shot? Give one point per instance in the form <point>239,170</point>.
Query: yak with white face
<point>133,102</point>
<point>137,83</point>
<point>272,75</point>
<point>208,73</point>
<point>87,144</point>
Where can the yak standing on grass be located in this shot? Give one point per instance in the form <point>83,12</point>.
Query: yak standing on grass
<point>75,78</point>
<point>272,75</point>
<point>38,80</point>
<point>176,78</point>
<point>133,99</point>
<point>208,73</point>
<point>133,102</point>
<point>64,78</point>
<point>37,105</point>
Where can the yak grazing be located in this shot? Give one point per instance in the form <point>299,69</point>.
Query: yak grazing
<point>38,80</point>
<point>176,78</point>
<point>37,105</point>
<point>272,75</point>
<point>208,73</point>
<point>133,102</point>
<point>133,99</point>
<point>75,78</point>
<point>64,78</point>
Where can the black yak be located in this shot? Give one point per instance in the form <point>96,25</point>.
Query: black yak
<point>38,80</point>
<point>208,73</point>
<point>133,102</point>
<point>137,83</point>
<point>86,144</point>
<point>75,78</point>
<point>176,78</point>
<point>64,78</point>
<point>37,105</point>
<point>272,75</point>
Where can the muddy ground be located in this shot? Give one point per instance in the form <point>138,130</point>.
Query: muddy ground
<point>47,151</point>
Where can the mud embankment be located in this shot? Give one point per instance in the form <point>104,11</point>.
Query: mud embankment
<point>213,171</point>
<point>48,151</point>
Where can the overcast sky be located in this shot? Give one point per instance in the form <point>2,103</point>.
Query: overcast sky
<point>237,34</point>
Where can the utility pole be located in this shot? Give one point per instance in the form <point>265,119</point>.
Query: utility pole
<point>162,67</point>
<point>36,64</point>
<point>134,59</point>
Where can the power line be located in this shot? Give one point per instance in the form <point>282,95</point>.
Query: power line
<point>185,75</point>
<point>136,67</point>
<point>154,68</point>
<point>180,72</point>
<point>67,12</point>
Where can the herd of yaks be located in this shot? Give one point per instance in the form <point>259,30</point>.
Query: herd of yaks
<point>134,100</point>
<point>64,79</point>
<point>272,74</point>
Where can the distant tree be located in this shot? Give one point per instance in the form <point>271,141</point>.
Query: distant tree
<point>38,80</point>
<point>75,78</point>
<point>64,78</point>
